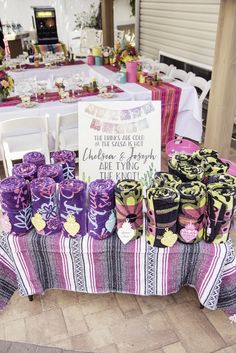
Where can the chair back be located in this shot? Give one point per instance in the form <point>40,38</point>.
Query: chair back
<point>164,68</point>
<point>23,126</point>
<point>13,130</point>
<point>202,84</point>
<point>65,122</point>
<point>90,38</point>
<point>181,75</point>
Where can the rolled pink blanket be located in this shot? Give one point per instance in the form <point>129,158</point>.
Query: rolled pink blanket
<point>16,206</point>
<point>53,171</point>
<point>36,158</point>
<point>28,171</point>
<point>67,160</point>
<point>44,203</point>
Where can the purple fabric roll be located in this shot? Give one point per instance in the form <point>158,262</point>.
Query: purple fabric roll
<point>53,171</point>
<point>44,204</point>
<point>101,204</point>
<point>72,203</point>
<point>67,160</point>
<point>28,171</point>
<point>36,158</point>
<point>16,205</point>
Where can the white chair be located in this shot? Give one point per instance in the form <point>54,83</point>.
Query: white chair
<point>118,36</point>
<point>148,65</point>
<point>67,132</point>
<point>164,68</point>
<point>202,84</point>
<point>22,135</point>
<point>90,38</point>
<point>181,75</point>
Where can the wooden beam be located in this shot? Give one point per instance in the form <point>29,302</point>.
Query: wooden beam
<point>108,22</point>
<point>222,103</point>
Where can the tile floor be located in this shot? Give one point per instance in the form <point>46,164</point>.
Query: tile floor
<point>116,323</point>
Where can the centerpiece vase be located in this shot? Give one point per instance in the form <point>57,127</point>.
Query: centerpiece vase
<point>131,69</point>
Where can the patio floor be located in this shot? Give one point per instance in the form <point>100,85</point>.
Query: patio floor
<point>116,323</point>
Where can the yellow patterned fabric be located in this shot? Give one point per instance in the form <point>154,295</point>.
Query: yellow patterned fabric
<point>162,209</point>
<point>220,210</point>
<point>129,205</point>
<point>183,166</point>
<point>166,180</point>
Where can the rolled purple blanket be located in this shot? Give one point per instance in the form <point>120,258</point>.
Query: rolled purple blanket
<point>16,206</point>
<point>36,158</point>
<point>53,171</point>
<point>101,204</point>
<point>72,207</point>
<point>28,171</point>
<point>44,203</point>
<point>67,160</point>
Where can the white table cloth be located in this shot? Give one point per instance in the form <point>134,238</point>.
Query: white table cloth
<point>189,123</point>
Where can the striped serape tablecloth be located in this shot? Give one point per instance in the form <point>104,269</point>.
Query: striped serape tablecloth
<point>169,95</point>
<point>95,266</point>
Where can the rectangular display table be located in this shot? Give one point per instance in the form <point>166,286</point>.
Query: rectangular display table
<point>35,263</point>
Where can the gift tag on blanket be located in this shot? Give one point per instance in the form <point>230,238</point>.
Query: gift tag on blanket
<point>6,225</point>
<point>71,226</point>
<point>38,222</point>
<point>169,238</point>
<point>126,232</point>
<point>189,233</point>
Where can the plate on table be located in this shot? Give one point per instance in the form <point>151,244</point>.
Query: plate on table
<point>107,95</point>
<point>69,100</point>
<point>27,105</point>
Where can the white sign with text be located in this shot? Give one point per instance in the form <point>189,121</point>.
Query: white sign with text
<point>119,140</point>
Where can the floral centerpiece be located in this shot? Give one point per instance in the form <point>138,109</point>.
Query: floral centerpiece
<point>122,55</point>
<point>6,85</point>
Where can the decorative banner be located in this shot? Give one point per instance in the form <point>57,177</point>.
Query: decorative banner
<point>119,140</point>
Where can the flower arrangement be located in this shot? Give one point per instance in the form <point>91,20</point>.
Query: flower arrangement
<point>121,56</point>
<point>6,85</point>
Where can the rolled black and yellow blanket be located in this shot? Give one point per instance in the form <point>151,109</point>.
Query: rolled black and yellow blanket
<point>168,180</point>
<point>129,205</point>
<point>192,210</point>
<point>199,155</point>
<point>162,211</point>
<point>183,166</point>
<point>220,210</point>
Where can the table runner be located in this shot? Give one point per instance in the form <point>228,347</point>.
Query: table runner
<point>94,266</point>
<point>41,66</point>
<point>170,97</point>
<point>51,97</point>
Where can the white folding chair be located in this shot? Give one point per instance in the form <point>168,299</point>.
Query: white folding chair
<point>181,75</point>
<point>22,135</point>
<point>148,64</point>
<point>164,68</point>
<point>67,132</point>
<point>201,84</point>
<point>90,38</point>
